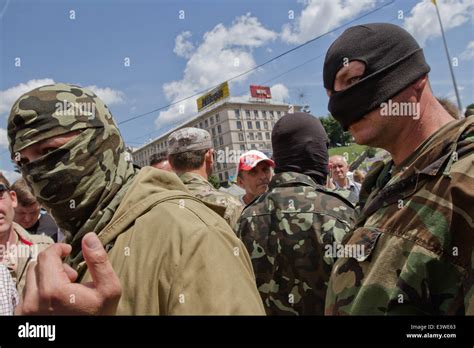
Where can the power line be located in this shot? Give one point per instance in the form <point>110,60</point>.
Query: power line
<point>258,66</point>
<point>262,83</point>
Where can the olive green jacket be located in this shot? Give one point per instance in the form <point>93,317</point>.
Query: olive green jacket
<point>174,255</point>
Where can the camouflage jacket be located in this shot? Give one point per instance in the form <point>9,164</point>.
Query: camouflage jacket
<point>290,233</point>
<point>415,233</point>
<point>231,208</point>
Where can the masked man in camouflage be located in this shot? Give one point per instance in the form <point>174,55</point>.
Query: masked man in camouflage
<point>171,253</point>
<point>191,156</point>
<point>415,216</point>
<point>292,231</point>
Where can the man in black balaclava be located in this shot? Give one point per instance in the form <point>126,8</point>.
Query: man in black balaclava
<point>414,229</point>
<point>291,231</point>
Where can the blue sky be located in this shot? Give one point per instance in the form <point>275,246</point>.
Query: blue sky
<point>173,57</point>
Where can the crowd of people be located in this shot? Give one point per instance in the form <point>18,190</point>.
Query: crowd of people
<point>306,238</point>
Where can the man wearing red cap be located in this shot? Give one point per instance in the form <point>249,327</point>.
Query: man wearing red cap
<point>254,174</point>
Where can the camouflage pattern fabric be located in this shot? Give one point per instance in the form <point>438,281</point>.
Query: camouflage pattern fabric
<point>290,233</point>
<point>203,189</point>
<point>415,227</point>
<point>189,139</point>
<point>83,181</point>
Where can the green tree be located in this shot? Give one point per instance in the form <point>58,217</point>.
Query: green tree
<point>469,110</point>
<point>371,151</point>
<point>214,180</point>
<point>335,132</point>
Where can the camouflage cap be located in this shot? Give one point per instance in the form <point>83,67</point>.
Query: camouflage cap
<point>54,110</point>
<point>189,139</point>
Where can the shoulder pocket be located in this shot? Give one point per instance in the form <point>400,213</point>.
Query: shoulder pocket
<point>360,244</point>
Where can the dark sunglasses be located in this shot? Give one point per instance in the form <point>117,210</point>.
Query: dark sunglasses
<point>3,188</point>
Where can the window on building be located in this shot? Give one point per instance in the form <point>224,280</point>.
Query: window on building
<point>200,125</point>
<point>257,124</point>
<point>237,113</point>
<point>218,166</point>
<point>215,143</point>
<point>249,125</point>
<point>218,118</point>
<point>221,141</point>
<point>239,125</point>
<point>265,124</point>
<point>253,146</point>
<point>220,176</point>
<point>255,114</point>
<point>242,147</point>
<point>212,120</point>
<point>252,137</point>
<point>241,137</point>
<point>219,129</point>
<point>259,136</point>
<point>269,114</point>
<point>225,165</point>
<point>213,132</point>
<point>247,113</point>
<point>206,124</point>
<point>227,175</point>
<point>267,135</point>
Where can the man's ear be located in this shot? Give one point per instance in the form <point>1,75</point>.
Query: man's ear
<point>420,84</point>
<point>240,182</point>
<point>14,199</point>
<point>210,157</point>
<point>171,164</point>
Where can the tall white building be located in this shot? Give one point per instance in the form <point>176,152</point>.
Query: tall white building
<point>236,125</point>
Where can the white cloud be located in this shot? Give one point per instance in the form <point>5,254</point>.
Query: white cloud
<point>451,95</point>
<point>182,46</point>
<point>223,53</point>
<point>423,22</point>
<point>108,95</point>
<point>11,176</point>
<point>320,16</point>
<point>9,96</point>
<point>280,93</point>
<point>468,53</point>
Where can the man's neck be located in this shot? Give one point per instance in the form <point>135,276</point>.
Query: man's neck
<point>247,198</point>
<point>201,171</point>
<point>344,182</point>
<point>433,117</point>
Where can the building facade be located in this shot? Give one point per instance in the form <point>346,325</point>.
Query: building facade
<point>236,125</point>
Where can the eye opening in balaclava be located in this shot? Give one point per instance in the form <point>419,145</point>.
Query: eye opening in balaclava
<point>362,76</point>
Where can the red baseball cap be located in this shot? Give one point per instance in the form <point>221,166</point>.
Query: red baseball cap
<point>250,159</point>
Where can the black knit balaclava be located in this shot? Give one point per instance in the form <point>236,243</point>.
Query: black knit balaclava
<point>300,144</point>
<point>393,60</point>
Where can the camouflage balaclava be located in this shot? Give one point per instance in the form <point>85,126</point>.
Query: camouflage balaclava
<point>82,182</point>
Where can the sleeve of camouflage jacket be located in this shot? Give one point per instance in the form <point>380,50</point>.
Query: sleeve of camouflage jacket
<point>417,261</point>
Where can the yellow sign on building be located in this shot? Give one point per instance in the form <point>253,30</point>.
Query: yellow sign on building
<point>218,93</point>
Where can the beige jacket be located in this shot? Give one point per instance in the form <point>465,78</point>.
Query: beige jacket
<point>174,255</point>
